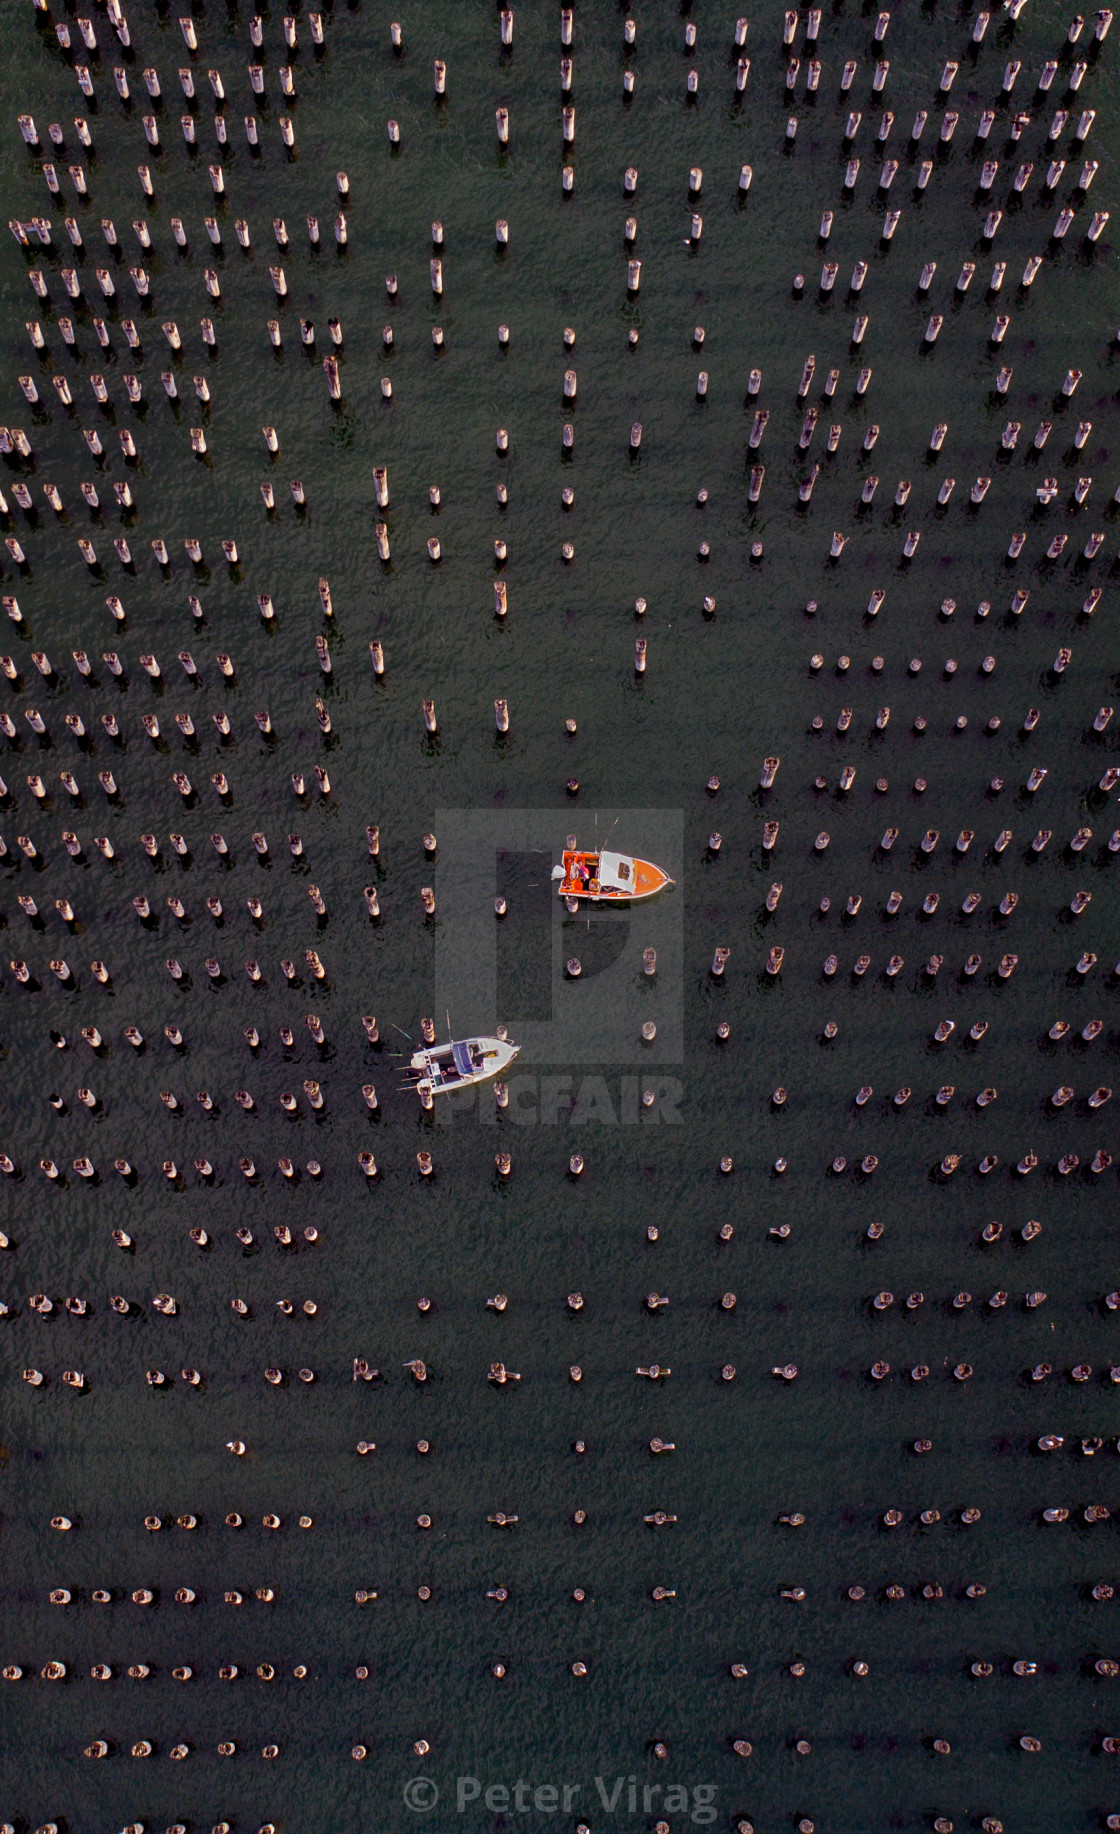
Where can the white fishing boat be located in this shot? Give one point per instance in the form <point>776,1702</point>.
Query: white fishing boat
<point>460,1062</point>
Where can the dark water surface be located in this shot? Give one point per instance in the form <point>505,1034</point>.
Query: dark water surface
<point>719,693</point>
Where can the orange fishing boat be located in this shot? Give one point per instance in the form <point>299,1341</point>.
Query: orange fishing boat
<point>608,878</point>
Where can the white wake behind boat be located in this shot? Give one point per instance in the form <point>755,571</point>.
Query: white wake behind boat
<point>460,1062</point>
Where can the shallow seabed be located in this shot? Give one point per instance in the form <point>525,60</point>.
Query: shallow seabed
<point>719,693</point>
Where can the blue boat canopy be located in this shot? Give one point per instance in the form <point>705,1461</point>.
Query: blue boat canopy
<point>462,1055</point>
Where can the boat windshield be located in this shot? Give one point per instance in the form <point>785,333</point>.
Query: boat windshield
<point>462,1056</point>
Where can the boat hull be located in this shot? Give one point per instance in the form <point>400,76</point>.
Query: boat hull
<point>441,1069</point>
<point>648,880</point>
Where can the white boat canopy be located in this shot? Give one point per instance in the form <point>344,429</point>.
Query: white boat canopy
<point>616,872</point>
